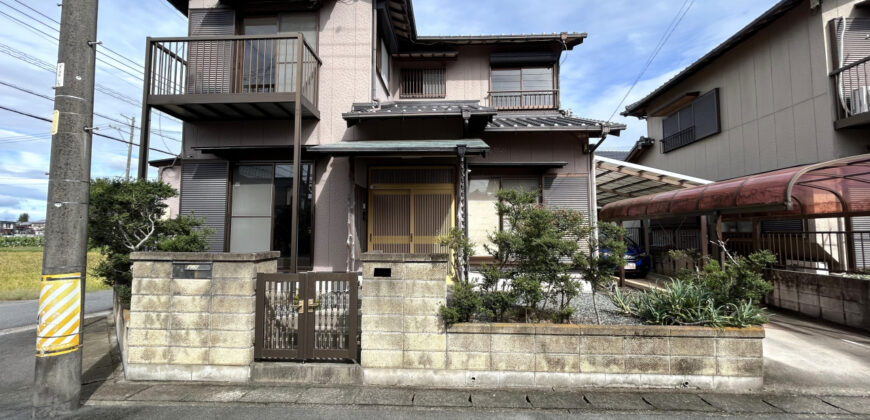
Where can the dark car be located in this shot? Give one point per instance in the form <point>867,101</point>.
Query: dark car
<point>637,262</point>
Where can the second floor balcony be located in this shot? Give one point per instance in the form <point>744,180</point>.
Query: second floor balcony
<point>232,77</point>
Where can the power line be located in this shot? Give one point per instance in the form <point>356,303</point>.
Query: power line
<point>27,114</point>
<point>139,67</point>
<point>28,91</point>
<point>54,38</point>
<point>27,58</point>
<point>668,32</point>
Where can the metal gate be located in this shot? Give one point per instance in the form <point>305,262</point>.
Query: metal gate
<point>307,316</point>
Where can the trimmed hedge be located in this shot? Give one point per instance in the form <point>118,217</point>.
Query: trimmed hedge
<point>22,241</point>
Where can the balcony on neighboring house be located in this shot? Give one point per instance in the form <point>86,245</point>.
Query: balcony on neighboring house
<point>232,77</point>
<point>850,53</point>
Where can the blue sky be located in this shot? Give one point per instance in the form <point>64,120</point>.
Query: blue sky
<point>595,75</point>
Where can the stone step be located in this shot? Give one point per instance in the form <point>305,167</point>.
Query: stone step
<point>307,373</point>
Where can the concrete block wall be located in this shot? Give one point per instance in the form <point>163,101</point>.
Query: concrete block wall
<point>578,355</point>
<point>838,299</point>
<point>401,294</point>
<point>194,329</point>
<point>405,343</point>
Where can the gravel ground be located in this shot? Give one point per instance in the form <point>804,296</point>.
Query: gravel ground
<point>585,313</point>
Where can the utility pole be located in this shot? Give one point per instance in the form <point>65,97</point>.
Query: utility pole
<point>130,146</point>
<point>57,383</point>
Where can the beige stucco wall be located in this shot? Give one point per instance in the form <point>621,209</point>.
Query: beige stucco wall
<point>776,108</point>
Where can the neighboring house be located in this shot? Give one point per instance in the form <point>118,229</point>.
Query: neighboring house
<point>38,227</point>
<point>397,136</point>
<point>7,227</point>
<point>790,88</point>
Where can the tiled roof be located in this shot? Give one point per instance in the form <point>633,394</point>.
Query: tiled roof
<point>549,122</point>
<point>417,109</point>
<point>613,154</point>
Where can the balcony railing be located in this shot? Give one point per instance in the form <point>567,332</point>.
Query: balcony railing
<point>679,139</point>
<point>852,87</point>
<point>231,69</point>
<point>524,99</point>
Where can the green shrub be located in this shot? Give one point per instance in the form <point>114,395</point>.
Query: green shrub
<point>713,295</point>
<point>22,241</point>
<point>126,216</point>
<point>465,300</point>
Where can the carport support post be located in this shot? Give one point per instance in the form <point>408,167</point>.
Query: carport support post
<point>719,238</point>
<point>705,239</point>
<point>58,367</point>
<point>621,266</point>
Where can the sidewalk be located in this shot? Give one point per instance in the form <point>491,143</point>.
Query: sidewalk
<point>105,387</point>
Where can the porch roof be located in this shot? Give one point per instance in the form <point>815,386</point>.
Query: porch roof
<point>400,147</point>
<point>835,188</point>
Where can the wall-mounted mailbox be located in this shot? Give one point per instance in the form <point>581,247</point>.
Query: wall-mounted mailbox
<point>383,272</point>
<point>191,270</point>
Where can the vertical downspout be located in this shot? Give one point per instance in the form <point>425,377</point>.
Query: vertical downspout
<point>374,48</point>
<point>593,198</point>
<point>351,219</point>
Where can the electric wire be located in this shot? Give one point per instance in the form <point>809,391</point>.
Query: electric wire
<point>27,114</point>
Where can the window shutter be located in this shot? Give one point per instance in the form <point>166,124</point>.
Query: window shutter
<point>567,192</point>
<point>706,114</point>
<point>212,22</point>
<point>670,125</point>
<point>210,62</point>
<point>204,194</point>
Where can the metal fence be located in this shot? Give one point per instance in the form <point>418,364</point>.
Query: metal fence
<point>233,65</point>
<point>825,251</point>
<point>307,316</point>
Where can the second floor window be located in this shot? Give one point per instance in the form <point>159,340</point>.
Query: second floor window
<point>691,123</point>
<point>523,88</point>
<point>423,83</point>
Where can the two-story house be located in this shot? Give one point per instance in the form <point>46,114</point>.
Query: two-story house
<point>324,129</point>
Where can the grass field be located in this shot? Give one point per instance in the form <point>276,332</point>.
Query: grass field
<point>21,271</point>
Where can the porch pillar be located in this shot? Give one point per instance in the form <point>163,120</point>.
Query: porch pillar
<point>297,134</point>
<point>462,216</point>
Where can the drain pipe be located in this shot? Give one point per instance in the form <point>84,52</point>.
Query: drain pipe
<point>374,50</point>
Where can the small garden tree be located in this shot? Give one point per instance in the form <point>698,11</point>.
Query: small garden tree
<point>126,216</point>
<point>23,217</point>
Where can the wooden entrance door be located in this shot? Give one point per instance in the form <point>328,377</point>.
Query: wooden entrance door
<point>409,208</point>
<point>409,219</point>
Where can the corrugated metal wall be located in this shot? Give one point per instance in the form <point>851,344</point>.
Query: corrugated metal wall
<point>204,194</point>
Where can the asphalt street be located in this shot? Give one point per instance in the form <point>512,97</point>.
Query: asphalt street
<point>20,313</point>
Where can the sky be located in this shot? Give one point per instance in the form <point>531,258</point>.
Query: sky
<point>595,76</point>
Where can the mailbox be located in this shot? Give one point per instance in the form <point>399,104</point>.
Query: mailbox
<point>191,270</point>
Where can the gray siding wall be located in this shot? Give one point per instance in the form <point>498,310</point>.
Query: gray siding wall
<point>204,194</point>
<point>776,106</point>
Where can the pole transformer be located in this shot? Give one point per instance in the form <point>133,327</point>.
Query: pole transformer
<point>57,382</point>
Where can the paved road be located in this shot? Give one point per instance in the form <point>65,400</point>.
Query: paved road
<point>19,313</point>
<point>804,356</point>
